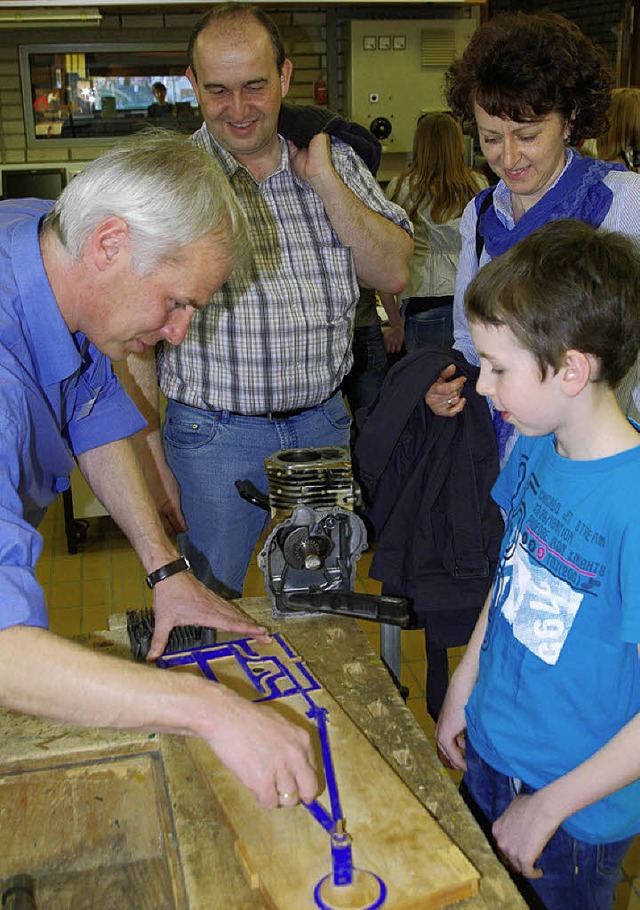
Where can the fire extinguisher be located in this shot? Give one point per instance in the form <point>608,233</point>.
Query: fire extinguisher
<point>320,93</point>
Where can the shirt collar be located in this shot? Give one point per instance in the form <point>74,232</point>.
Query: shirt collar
<point>230,165</point>
<point>55,351</point>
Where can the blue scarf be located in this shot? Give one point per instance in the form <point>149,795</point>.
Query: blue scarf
<point>579,193</point>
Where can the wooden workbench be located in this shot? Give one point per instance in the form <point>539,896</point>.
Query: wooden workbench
<point>128,819</point>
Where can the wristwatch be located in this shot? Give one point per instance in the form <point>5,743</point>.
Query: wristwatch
<point>172,568</point>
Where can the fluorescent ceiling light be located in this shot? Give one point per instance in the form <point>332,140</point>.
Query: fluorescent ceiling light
<point>55,16</point>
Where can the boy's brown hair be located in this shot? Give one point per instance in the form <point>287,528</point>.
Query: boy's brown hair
<point>567,286</point>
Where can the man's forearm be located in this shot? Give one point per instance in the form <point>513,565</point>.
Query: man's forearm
<point>138,375</point>
<point>114,474</point>
<point>64,682</point>
<point>380,248</point>
<point>390,304</point>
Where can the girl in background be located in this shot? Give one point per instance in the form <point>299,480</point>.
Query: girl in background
<point>434,190</point>
<point>621,142</point>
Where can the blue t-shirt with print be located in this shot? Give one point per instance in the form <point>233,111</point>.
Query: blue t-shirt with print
<point>559,669</point>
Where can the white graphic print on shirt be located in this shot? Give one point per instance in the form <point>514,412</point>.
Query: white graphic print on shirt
<point>551,560</point>
<point>541,607</point>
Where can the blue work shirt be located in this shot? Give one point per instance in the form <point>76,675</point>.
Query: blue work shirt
<point>58,398</point>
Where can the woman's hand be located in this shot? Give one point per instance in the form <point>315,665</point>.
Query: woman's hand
<point>444,396</point>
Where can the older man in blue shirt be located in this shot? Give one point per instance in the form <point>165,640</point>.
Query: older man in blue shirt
<point>136,244</point>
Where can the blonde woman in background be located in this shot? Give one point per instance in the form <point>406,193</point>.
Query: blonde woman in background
<point>433,190</point>
<point>621,142</point>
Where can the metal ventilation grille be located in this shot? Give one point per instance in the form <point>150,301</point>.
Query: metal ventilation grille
<point>438,46</point>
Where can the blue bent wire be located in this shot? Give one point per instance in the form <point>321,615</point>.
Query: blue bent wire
<point>319,714</point>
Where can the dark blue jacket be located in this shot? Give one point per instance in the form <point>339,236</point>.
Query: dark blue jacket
<point>426,482</point>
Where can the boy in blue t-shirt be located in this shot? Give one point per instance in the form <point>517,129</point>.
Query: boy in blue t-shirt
<point>548,690</point>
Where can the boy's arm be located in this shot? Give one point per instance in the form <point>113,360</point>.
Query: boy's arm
<point>451,722</point>
<point>523,831</point>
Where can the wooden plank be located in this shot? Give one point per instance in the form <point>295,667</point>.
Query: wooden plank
<point>338,653</point>
<point>287,853</point>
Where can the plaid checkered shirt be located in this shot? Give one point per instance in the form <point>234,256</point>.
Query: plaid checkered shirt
<point>277,335</point>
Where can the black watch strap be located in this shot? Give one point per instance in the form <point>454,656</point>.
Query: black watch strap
<point>172,568</point>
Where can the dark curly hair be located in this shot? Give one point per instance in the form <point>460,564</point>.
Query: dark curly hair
<point>520,65</point>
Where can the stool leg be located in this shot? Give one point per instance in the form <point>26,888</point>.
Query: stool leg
<point>69,522</point>
<point>437,676</point>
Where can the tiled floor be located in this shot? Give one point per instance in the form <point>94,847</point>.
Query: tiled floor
<point>83,590</point>
<point>105,577</point>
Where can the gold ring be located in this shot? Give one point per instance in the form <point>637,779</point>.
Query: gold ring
<point>450,401</point>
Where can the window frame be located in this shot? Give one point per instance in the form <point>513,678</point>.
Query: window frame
<point>26,51</point>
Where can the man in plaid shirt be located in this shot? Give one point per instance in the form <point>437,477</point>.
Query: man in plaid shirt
<point>260,368</point>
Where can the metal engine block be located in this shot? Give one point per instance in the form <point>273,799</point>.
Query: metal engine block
<point>312,553</point>
<point>315,538</point>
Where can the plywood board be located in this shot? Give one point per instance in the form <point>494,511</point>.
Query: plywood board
<point>286,852</point>
<point>94,833</point>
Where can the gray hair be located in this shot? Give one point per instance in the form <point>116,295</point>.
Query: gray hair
<point>169,191</point>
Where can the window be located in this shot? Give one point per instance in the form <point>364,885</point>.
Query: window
<point>88,95</point>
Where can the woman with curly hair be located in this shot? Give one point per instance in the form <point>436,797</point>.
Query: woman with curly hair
<point>434,190</point>
<point>535,85</point>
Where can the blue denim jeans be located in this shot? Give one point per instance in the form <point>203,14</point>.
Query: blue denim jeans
<point>577,875</point>
<point>364,380</point>
<point>208,451</point>
<point>429,327</point>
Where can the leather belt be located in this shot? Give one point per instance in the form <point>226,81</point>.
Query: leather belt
<point>283,415</point>
<point>277,415</point>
